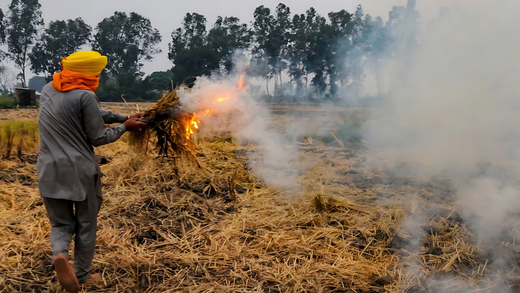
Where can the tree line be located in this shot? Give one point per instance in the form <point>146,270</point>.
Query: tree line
<point>306,55</point>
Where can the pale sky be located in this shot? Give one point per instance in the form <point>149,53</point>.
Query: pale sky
<point>167,15</point>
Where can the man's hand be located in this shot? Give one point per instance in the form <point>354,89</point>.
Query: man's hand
<point>135,115</point>
<point>134,125</point>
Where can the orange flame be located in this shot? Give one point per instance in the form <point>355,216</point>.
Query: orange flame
<point>202,113</point>
<point>240,84</point>
<point>191,126</point>
<point>220,100</point>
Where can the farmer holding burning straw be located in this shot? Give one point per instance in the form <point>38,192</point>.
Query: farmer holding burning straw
<point>70,123</point>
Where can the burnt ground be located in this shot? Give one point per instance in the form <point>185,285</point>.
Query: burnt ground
<point>353,226</point>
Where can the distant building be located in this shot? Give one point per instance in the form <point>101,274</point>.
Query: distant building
<point>25,97</point>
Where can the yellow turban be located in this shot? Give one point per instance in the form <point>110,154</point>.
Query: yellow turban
<point>88,63</point>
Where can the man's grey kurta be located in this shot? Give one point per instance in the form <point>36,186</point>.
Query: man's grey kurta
<point>70,124</point>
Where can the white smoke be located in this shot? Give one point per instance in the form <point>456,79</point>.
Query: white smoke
<point>236,111</point>
<point>457,105</point>
<point>454,110</point>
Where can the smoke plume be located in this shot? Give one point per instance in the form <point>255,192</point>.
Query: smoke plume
<point>234,110</point>
<point>453,109</point>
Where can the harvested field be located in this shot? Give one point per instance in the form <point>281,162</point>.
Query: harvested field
<point>32,114</point>
<point>353,225</point>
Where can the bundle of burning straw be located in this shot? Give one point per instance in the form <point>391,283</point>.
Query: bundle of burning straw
<point>170,129</point>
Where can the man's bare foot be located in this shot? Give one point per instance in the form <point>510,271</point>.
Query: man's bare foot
<point>65,275</point>
<point>94,278</point>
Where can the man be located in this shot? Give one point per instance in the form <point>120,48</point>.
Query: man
<point>70,123</point>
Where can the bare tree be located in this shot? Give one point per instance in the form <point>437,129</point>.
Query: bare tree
<point>7,79</point>
<point>24,24</point>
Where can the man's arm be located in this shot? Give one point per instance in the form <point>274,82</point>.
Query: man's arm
<point>109,117</point>
<point>94,122</point>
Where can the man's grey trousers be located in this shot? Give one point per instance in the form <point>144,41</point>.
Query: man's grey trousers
<point>77,218</point>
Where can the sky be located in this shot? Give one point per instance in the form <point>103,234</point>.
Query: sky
<point>167,15</point>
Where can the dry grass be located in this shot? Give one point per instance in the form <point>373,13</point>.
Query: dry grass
<point>32,114</point>
<point>217,231</point>
<point>170,130</point>
<point>18,136</point>
<point>351,227</point>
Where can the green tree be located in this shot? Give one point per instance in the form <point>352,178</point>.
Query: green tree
<point>3,27</point>
<point>375,42</point>
<point>402,28</point>
<point>153,86</point>
<point>226,37</point>
<point>315,62</point>
<point>272,36</point>
<point>259,67</point>
<point>59,40</point>
<point>296,51</point>
<point>281,37</point>
<point>160,81</point>
<point>262,26</point>
<point>189,50</point>
<point>340,35</point>
<point>192,34</point>
<point>24,23</point>
<point>127,41</point>
<point>149,88</point>
<point>345,51</point>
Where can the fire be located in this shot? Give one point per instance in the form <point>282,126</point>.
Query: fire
<point>194,123</point>
<point>220,100</point>
<point>240,84</point>
<point>202,113</point>
<point>191,126</point>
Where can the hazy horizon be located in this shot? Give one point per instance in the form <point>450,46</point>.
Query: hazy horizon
<point>167,16</point>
